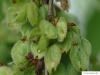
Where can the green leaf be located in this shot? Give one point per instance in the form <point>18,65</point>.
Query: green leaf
<point>76,29</point>
<point>67,43</point>
<point>75,58</point>
<point>84,59</point>
<point>43,43</point>
<point>62,29</point>
<point>35,34</point>
<point>68,16</point>
<point>19,52</point>
<point>70,70</point>
<point>76,35</point>
<point>72,18</point>
<point>48,29</point>
<point>29,71</point>
<point>72,37</point>
<point>60,70</point>
<point>26,30</point>
<point>17,70</point>
<point>11,19</point>
<point>21,14</point>
<point>37,52</point>
<point>5,71</point>
<point>79,58</point>
<point>52,58</point>
<point>32,13</point>
<point>43,12</point>
<point>86,46</point>
<point>26,69</point>
<point>63,14</point>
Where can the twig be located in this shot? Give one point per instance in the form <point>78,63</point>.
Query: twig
<point>51,10</point>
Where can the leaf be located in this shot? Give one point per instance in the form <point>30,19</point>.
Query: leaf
<point>29,71</point>
<point>86,46</point>
<point>52,58</point>
<point>48,30</point>
<point>35,33</point>
<point>70,70</point>
<point>60,70</point>
<point>68,17</point>
<point>32,13</point>
<point>11,19</point>
<point>84,60</point>
<point>76,29</point>
<point>79,58</point>
<point>72,37</point>
<point>43,12</point>
<point>21,14</point>
<point>63,14</point>
<point>5,71</point>
<point>75,58</point>
<point>26,69</point>
<point>43,43</point>
<point>72,18</point>
<point>37,52</point>
<point>17,70</point>
<point>67,43</point>
<point>19,51</point>
<point>61,29</point>
<point>26,30</point>
<point>75,34</point>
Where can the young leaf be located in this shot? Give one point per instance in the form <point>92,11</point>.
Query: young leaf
<point>11,19</point>
<point>86,46</point>
<point>37,52</point>
<point>17,71</point>
<point>52,58</point>
<point>79,58</point>
<point>62,14</point>
<point>67,43</point>
<point>43,43</point>
<point>75,58</point>
<point>29,71</point>
<point>72,18</point>
<point>48,29</point>
<point>35,33</point>
<point>84,59</point>
<point>60,70</point>
<point>71,70</point>
<point>32,13</point>
<point>21,14</point>
<point>25,30</point>
<point>61,29</point>
<point>43,12</point>
<point>5,71</point>
<point>19,51</point>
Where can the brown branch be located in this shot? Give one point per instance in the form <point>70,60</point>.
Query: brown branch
<point>51,10</point>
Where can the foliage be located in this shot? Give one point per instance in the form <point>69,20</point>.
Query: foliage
<point>45,37</point>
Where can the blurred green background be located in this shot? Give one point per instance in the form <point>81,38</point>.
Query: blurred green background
<point>88,13</point>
